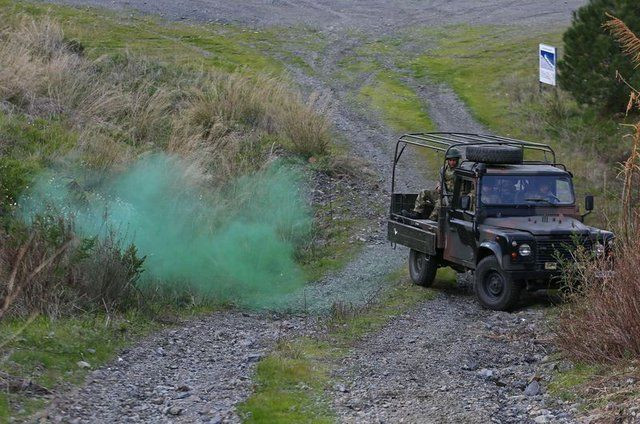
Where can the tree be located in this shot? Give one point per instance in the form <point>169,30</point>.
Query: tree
<point>592,58</point>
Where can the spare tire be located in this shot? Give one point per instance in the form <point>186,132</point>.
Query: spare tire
<point>494,154</point>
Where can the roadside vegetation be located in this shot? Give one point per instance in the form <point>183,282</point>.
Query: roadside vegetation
<point>84,98</point>
<point>600,324</point>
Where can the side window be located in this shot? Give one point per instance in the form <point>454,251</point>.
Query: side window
<point>463,187</point>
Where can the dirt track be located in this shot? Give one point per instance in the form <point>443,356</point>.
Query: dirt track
<point>361,14</point>
<point>446,361</point>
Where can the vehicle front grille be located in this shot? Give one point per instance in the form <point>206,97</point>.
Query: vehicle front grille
<point>555,248</point>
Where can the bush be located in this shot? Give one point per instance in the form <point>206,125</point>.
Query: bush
<point>592,57</point>
<point>601,321</point>
<point>45,269</point>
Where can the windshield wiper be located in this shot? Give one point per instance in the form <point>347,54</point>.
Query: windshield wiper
<point>540,199</point>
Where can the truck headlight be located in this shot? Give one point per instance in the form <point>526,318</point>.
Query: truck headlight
<point>598,248</point>
<point>524,250</point>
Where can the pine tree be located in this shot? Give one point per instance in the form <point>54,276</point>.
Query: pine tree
<point>592,57</point>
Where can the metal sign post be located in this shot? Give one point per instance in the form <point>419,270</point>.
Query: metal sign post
<point>548,58</point>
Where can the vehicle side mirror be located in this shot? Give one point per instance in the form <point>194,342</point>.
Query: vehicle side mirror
<point>588,203</point>
<point>465,203</point>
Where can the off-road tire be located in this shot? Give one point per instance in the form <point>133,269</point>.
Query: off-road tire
<point>422,268</point>
<point>495,154</point>
<point>494,289</point>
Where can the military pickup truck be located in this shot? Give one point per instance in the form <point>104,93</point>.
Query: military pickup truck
<point>509,220</point>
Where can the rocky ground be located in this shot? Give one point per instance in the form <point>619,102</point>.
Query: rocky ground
<point>196,373</point>
<point>447,360</point>
<point>451,361</point>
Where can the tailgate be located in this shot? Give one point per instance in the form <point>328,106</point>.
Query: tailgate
<point>411,236</point>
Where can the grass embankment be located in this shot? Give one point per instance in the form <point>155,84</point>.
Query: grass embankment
<point>292,383</point>
<point>95,90</point>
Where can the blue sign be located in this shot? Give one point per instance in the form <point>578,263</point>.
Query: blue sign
<point>548,58</point>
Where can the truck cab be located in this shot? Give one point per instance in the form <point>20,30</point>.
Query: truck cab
<point>513,222</point>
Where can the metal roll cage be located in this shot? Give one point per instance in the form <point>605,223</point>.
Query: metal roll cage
<point>444,141</point>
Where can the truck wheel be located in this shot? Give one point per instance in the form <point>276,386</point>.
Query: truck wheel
<point>494,289</point>
<point>422,268</point>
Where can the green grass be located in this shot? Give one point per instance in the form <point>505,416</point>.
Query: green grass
<point>27,145</point>
<point>480,63</point>
<point>292,382</point>
<point>197,46</point>
<point>596,388</point>
<point>566,383</point>
<point>379,85</point>
<point>47,352</point>
<point>398,105</point>
<point>290,387</point>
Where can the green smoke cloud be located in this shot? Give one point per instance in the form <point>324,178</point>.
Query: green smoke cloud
<point>236,243</point>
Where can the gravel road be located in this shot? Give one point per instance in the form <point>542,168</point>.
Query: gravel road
<point>450,361</point>
<point>363,14</point>
<point>447,360</point>
<point>196,373</point>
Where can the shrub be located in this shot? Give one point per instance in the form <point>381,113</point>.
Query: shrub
<point>601,322</point>
<point>592,58</point>
<point>45,269</point>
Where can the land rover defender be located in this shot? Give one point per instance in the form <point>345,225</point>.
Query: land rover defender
<point>511,221</point>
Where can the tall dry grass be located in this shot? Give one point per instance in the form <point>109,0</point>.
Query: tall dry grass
<point>117,107</point>
<point>601,321</point>
<point>122,104</point>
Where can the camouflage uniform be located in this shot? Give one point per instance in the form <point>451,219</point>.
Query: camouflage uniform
<point>447,172</point>
<point>424,201</point>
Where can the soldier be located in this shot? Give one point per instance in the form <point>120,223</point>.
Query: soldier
<point>453,156</point>
<point>425,200</point>
<point>544,191</point>
<point>424,203</point>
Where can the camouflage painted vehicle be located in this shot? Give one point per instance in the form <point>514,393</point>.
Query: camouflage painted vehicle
<point>514,228</point>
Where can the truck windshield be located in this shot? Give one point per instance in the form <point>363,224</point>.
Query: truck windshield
<point>507,190</point>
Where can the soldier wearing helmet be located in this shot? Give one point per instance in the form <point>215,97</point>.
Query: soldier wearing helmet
<point>425,198</point>
<point>453,158</point>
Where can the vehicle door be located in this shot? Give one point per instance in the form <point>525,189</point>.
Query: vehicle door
<point>460,239</point>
